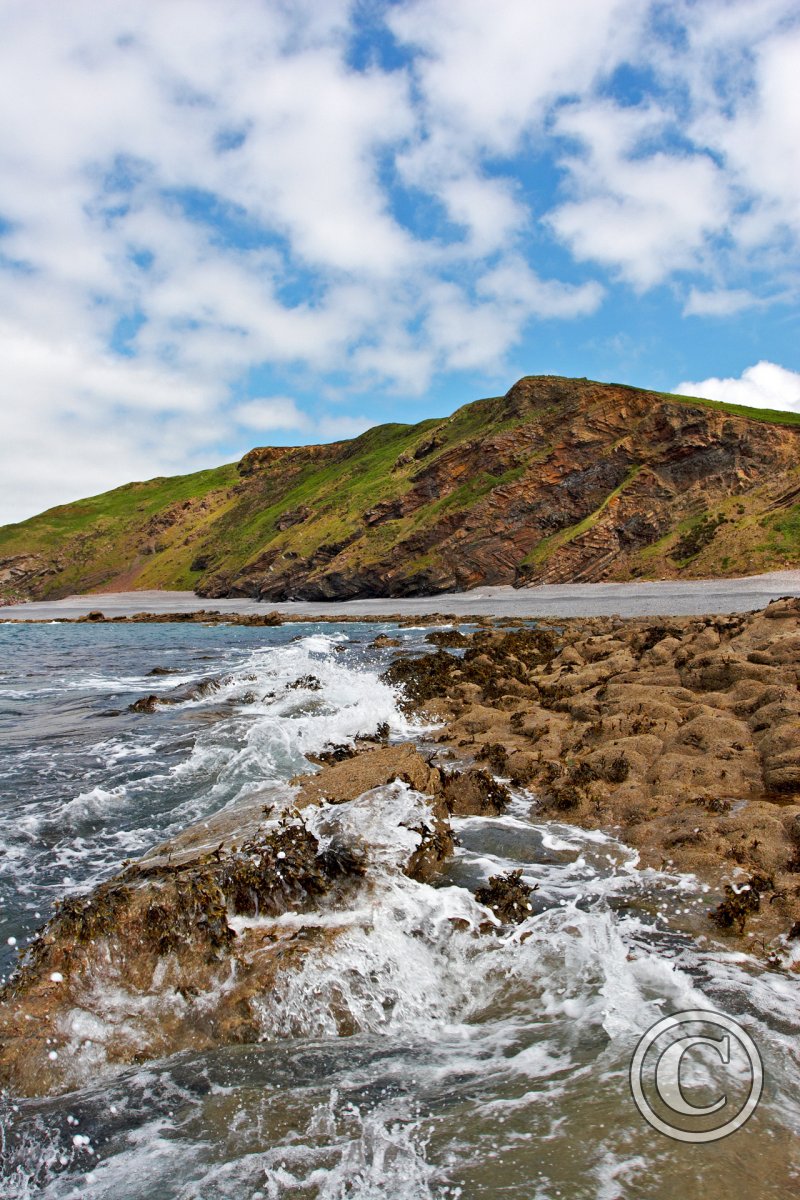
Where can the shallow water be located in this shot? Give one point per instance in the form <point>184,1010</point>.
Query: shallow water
<point>411,1057</point>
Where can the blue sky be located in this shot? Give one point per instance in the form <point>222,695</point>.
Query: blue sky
<point>264,221</point>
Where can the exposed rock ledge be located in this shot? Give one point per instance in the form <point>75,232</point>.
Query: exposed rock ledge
<point>172,953</point>
<point>682,737</point>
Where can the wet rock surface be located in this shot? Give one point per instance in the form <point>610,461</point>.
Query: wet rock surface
<point>681,736</point>
<point>174,952</point>
<point>508,897</point>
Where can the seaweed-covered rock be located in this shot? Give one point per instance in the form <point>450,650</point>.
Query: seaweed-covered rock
<point>423,678</point>
<point>179,947</point>
<point>474,793</point>
<point>305,683</point>
<point>508,897</point>
<point>740,903</point>
<point>447,637</point>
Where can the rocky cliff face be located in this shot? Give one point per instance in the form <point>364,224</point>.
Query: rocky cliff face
<point>558,480</point>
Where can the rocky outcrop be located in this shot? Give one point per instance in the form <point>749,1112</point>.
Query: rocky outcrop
<point>682,736</point>
<point>590,476</point>
<point>179,949</point>
<point>558,480</point>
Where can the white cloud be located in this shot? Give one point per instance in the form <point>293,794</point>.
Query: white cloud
<point>754,130</point>
<point>646,215</point>
<point>514,285</point>
<point>190,190</point>
<point>273,412</point>
<point>704,172</point>
<point>487,77</point>
<point>765,385</point>
<point>488,74</point>
<point>720,303</point>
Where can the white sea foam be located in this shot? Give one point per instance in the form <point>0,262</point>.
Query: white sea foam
<point>422,1044</point>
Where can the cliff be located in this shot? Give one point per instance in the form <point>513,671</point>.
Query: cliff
<point>558,480</point>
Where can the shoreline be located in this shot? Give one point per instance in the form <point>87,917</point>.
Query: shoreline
<point>673,598</point>
<point>679,739</point>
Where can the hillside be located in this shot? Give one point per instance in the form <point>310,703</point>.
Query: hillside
<point>558,480</point>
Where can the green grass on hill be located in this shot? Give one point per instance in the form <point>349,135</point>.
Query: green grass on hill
<point>772,415</point>
<point>173,532</point>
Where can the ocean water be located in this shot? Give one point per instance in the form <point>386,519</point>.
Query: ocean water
<point>412,1057</point>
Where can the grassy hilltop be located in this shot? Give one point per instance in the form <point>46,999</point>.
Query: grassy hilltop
<point>559,479</point>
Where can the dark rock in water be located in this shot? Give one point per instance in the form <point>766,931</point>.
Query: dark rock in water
<point>508,896</point>
<point>336,754</point>
<point>740,903</point>
<point>447,637</point>
<point>474,793</point>
<point>306,683</point>
<point>206,687</point>
<point>423,678</point>
<point>381,733</point>
<point>147,704</point>
<point>163,671</point>
<point>383,641</point>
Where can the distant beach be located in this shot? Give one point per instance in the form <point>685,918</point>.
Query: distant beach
<point>690,597</point>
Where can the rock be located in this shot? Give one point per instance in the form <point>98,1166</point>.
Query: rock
<point>550,454</point>
<point>474,793</point>
<point>293,516</point>
<point>371,769</point>
<point>782,772</point>
<point>447,637</point>
<point>160,938</point>
<point>787,607</point>
<point>305,683</point>
<point>508,897</point>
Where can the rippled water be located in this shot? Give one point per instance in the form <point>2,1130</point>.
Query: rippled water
<point>410,1058</point>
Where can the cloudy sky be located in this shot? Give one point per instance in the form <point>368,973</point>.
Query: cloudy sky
<point>279,221</point>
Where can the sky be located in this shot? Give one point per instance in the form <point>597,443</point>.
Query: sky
<point>282,221</point>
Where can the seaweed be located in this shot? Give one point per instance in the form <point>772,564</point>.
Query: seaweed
<point>739,904</point>
<point>282,868</point>
<point>618,769</point>
<point>308,683</point>
<point>473,793</point>
<point>424,678</point>
<point>508,896</point>
<point>447,637</point>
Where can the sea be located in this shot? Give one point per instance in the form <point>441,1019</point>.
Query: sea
<point>490,1065</point>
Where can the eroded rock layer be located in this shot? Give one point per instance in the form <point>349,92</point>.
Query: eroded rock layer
<point>559,480</point>
<point>682,736</point>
